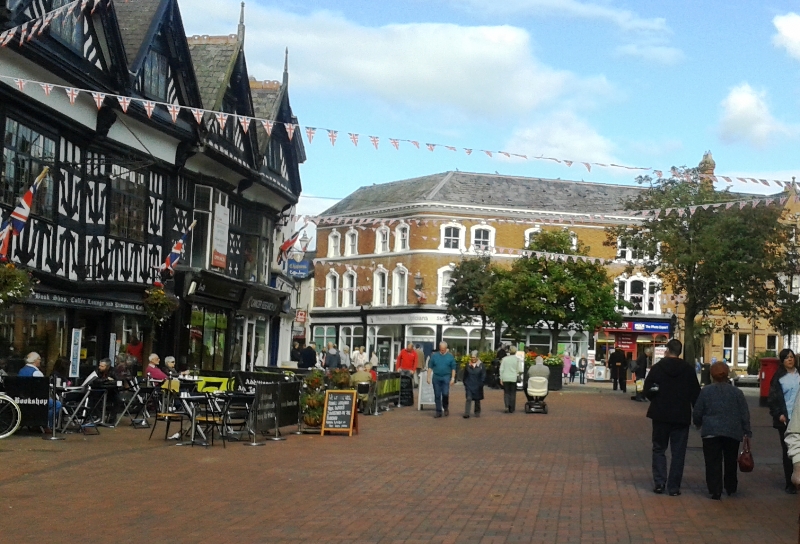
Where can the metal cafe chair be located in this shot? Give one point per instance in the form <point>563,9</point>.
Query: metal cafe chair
<point>213,417</point>
<point>168,412</point>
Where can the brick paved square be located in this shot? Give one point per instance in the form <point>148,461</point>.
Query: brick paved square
<point>578,474</point>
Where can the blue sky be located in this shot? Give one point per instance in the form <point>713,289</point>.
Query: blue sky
<point>638,83</point>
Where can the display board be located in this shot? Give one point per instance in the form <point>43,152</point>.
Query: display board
<point>340,413</point>
<point>32,395</point>
<point>406,390</point>
<point>265,407</point>
<point>425,394</point>
<point>289,403</point>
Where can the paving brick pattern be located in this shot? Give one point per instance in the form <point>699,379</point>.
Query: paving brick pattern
<point>578,474</point>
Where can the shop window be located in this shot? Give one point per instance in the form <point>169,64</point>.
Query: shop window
<point>25,153</point>
<point>349,290</point>
<point>322,335</point>
<point>154,75</point>
<point>772,344</point>
<point>382,240</point>
<point>201,233</point>
<point>380,287</point>
<point>334,243</point>
<point>332,290</point>
<point>401,238</point>
<point>351,243</point>
<point>530,234</point>
<point>352,337</point>
<point>400,287</point>
<point>474,340</point>
<point>207,339</point>
<point>457,342</point>
<point>539,343</point>
<point>128,204</point>
<point>68,29</point>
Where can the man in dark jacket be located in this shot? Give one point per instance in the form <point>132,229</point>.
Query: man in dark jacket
<point>640,372</point>
<point>672,388</point>
<point>308,356</point>
<point>618,367</point>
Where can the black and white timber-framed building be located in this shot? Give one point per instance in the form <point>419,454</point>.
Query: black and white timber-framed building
<point>124,186</point>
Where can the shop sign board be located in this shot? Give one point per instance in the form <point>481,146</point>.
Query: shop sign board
<point>70,301</point>
<point>75,354</point>
<point>219,239</point>
<point>408,319</point>
<point>659,353</point>
<point>652,327</point>
<point>626,341</point>
<point>300,270</point>
<point>300,316</point>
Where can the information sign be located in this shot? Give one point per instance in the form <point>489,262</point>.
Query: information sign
<point>75,354</point>
<point>265,407</point>
<point>339,414</point>
<point>425,394</point>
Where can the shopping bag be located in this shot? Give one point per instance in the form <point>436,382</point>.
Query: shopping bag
<point>639,386</point>
<point>746,463</point>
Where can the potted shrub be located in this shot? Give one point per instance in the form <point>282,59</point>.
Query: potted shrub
<point>340,378</point>
<point>556,365</point>
<point>313,398</point>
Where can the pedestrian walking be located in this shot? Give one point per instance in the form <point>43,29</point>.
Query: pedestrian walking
<point>573,369</point>
<point>442,373</point>
<point>723,418</point>
<point>618,368</point>
<point>509,371</point>
<point>332,359</point>
<point>582,365</point>
<point>474,376</point>
<point>672,388</point>
<point>640,371</point>
<point>781,400</point>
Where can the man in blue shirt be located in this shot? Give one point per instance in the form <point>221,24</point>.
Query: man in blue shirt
<point>442,370</point>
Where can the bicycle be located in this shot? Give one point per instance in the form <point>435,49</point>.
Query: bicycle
<point>10,416</point>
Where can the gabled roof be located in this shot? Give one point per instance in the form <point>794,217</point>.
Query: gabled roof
<point>214,59</point>
<point>138,22</point>
<point>490,190</point>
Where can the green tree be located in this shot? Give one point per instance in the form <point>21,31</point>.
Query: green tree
<point>470,280</point>
<point>721,258</point>
<point>539,291</point>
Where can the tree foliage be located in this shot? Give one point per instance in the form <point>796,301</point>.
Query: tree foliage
<point>471,279</point>
<point>539,291</point>
<point>722,258</point>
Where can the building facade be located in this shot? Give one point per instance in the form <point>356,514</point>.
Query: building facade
<point>386,252</point>
<point>127,180</point>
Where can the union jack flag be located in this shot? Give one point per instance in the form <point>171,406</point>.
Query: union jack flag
<point>177,251</point>
<point>5,238</point>
<point>20,214</point>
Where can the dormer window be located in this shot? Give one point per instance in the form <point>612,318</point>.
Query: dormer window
<point>155,73</point>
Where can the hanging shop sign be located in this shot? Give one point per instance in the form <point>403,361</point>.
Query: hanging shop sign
<point>219,240</point>
<point>300,270</point>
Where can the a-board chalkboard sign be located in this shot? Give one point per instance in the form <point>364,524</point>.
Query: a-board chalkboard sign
<point>425,393</point>
<point>340,413</point>
<point>265,407</point>
<point>406,390</point>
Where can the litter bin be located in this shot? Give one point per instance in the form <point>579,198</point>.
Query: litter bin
<point>768,367</point>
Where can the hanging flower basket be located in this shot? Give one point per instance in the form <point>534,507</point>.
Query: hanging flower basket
<point>159,305</point>
<point>15,284</point>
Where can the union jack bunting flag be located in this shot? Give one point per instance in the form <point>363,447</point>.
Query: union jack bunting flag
<point>354,138</point>
<point>332,136</point>
<point>20,214</point>
<point>177,251</point>
<point>375,140</point>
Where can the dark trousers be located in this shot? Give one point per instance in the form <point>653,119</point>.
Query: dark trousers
<point>619,375</point>
<point>572,375</point>
<point>721,453</point>
<point>583,376</point>
<point>510,396</point>
<point>441,392</point>
<point>675,437</point>
<point>469,402</point>
<point>787,463</point>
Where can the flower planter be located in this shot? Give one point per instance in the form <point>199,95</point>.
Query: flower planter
<point>555,382</point>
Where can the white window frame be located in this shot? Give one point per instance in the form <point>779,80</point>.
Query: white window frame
<point>398,239</point>
<point>379,232</point>
<point>536,229</point>
<point>351,291</point>
<point>332,289</point>
<point>474,229</point>
<point>399,288</point>
<point>443,273</point>
<point>334,244</point>
<point>625,282</point>
<point>462,248</point>
<point>380,298</point>
<point>573,241</point>
<point>742,353</point>
<point>349,250</point>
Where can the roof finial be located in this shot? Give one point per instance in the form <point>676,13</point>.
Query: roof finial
<point>286,68</point>
<point>241,25</point>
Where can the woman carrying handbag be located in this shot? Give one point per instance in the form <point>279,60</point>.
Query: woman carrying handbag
<point>723,417</point>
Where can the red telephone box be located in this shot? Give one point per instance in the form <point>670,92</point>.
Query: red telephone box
<point>768,367</point>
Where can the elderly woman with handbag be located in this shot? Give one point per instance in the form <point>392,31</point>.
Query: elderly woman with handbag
<point>722,415</point>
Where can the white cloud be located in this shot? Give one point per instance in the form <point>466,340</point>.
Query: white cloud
<point>562,135</point>
<point>788,36</point>
<point>662,54</point>
<point>477,70</point>
<point>746,118</point>
<point>622,18</point>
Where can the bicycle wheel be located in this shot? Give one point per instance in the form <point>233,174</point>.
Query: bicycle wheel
<point>10,416</point>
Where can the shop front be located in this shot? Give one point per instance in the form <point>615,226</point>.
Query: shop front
<point>256,329</point>
<point>633,337</point>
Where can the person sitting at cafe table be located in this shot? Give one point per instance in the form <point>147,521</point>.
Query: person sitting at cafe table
<point>169,367</point>
<point>31,369</point>
<point>153,372</point>
<point>368,368</point>
<point>360,375</point>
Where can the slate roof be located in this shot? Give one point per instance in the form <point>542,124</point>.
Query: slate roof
<point>490,190</point>
<point>214,58</point>
<point>267,97</point>
<point>135,19</point>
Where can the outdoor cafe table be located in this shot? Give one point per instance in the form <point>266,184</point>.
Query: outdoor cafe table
<point>192,404</point>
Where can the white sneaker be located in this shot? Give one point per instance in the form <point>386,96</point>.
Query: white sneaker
<point>175,436</point>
